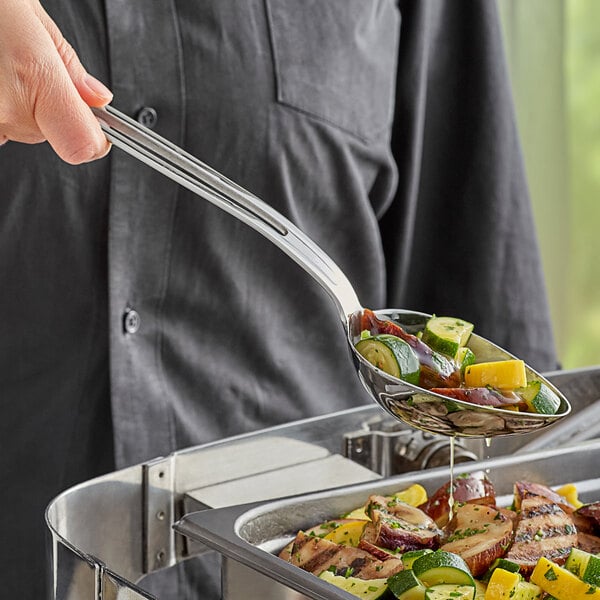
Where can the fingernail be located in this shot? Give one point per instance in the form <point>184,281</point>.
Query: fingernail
<point>98,88</point>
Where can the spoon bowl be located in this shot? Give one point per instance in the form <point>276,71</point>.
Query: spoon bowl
<point>416,406</point>
<point>432,412</point>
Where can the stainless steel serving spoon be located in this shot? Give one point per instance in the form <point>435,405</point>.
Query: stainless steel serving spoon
<point>414,405</point>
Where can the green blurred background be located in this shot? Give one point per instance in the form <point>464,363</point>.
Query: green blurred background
<point>553,51</point>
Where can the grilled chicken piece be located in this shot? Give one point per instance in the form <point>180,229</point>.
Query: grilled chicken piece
<point>588,542</point>
<point>543,529</point>
<point>376,551</point>
<point>399,526</point>
<point>523,489</point>
<point>320,530</point>
<point>480,534</point>
<point>584,524</point>
<point>316,555</point>
<point>472,487</point>
<point>591,512</point>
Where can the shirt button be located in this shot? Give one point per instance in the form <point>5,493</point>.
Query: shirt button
<point>147,116</point>
<point>131,321</point>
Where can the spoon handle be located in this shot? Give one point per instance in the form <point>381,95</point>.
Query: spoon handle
<point>185,169</point>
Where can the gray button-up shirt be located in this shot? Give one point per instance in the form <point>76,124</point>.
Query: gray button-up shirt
<point>137,319</point>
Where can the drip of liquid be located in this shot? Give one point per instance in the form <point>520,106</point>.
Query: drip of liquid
<point>451,491</point>
<point>488,444</point>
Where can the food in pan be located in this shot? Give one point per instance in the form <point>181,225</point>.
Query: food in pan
<point>408,546</point>
<point>439,360</point>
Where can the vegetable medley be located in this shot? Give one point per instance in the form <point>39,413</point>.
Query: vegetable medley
<point>411,547</point>
<point>439,359</point>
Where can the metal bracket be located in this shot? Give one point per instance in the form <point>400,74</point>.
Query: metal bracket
<point>159,514</point>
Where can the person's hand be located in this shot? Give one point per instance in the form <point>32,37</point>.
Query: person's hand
<point>45,92</point>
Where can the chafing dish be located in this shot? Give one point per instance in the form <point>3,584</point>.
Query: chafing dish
<point>109,533</point>
<point>250,535</point>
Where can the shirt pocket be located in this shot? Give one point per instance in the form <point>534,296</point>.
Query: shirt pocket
<point>336,60</point>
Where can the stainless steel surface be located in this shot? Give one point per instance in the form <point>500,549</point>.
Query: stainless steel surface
<point>252,534</point>
<point>191,173</point>
<point>96,538</point>
<point>413,405</point>
<point>106,532</point>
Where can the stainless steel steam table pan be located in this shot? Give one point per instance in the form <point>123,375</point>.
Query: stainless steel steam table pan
<point>250,535</point>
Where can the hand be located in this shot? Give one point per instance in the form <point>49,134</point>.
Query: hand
<point>45,93</point>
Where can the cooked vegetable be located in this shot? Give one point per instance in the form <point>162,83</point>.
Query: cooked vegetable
<point>406,586</point>
<point>502,585</point>
<point>348,534</point>
<point>359,514</point>
<point>480,590</point>
<point>569,493</point>
<point>414,495</point>
<point>448,591</point>
<point>447,334</point>
<point>443,567</point>
<point>483,396</point>
<point>540,398</point>
<point>408,558</point>
<point>501,563</point>
<point>477,542</point>
<point>464,358</point>
<point>501,374</point>
<point>370,589</point>
<point>447,366</point>
<point>561,583</point>
<point>392,355</point>
<point>585,565</point>
<point>436,369</point>
<point>527,591</point>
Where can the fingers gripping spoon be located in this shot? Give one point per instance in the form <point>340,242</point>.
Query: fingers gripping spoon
<point>416,406</point>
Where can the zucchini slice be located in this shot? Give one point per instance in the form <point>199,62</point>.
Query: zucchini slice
<point>443,567</point>
<point>464,358</point>
<point>585,565</point>
<point>449,591</point>
<point>408,558</point>
<point>540,398</point>
<point>501,563</point>
<point>447,334</point>
<point>406,586</point>
<point>368,589</point>
<point>392,355</point>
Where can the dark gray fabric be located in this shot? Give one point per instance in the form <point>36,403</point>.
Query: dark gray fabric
<point>293,99</point>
